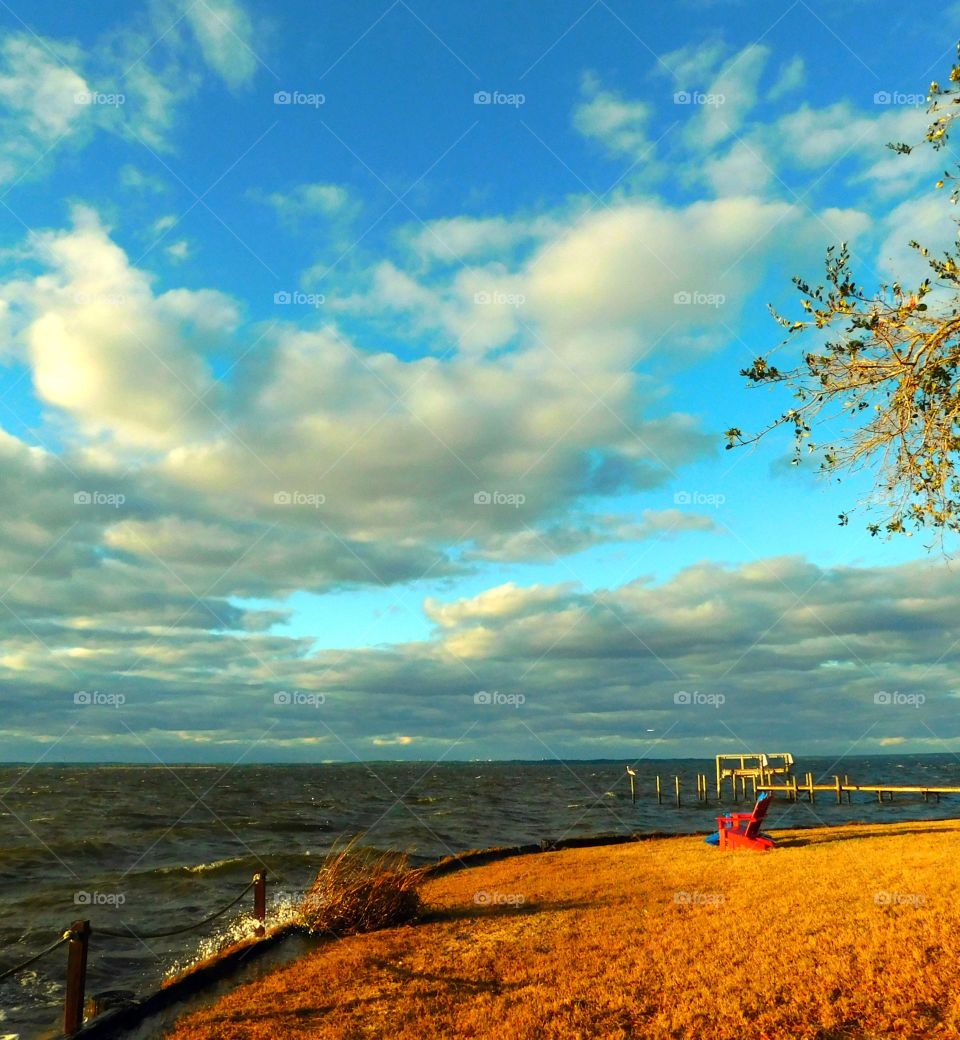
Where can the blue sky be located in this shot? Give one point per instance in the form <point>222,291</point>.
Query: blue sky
<point>382,354</point>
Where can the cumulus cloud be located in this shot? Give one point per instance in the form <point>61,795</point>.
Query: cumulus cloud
<point>795,650</point>
<point>528,394</point>
<point>664,270</point>
<point>610,283</point>
<point>350,466</point>
<point>107,351</point>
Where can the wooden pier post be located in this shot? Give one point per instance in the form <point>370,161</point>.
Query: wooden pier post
<point>76,976</point>
<point>659,793</point>
<point>839,790</point>
<point>633,790</point>
<point>676,783</point>
<point>846,783</point>
<point>260,900</point>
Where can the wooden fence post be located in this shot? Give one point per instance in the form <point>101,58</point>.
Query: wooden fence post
<point>260,900</point>
<point>76,976</point>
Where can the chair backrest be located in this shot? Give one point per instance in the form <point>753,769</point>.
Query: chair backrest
<point>759,811</point>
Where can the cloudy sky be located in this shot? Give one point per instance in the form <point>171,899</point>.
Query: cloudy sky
<point>364,368</point>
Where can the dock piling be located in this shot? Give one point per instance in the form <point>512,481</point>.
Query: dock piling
<point>76,976</point>
<point>260,900</point>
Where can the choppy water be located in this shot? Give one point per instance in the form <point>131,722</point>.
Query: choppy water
<point>146,849</point>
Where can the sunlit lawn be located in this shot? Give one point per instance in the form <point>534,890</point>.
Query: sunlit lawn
<point>846,932</point>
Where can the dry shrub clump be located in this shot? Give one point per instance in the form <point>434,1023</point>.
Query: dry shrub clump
<point>361,890</point>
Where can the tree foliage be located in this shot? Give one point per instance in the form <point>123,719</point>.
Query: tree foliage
<point>884,371</point>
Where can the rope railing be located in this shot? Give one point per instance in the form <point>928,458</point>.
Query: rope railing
<point>78,938</point>
<point>10,972</point>
<point>131,934</point>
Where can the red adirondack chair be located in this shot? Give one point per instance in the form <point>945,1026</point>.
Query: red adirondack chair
<point>742,830</point>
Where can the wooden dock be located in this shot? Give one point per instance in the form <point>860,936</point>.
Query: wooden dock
<point>793,788</point>
<point>752,768</point>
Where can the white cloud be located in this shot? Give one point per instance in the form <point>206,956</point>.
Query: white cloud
<point>312,200</point>
<point>611,283</point>
<point>816,137</point>
<point>618,124</point>
<point>40,100</point>
<point>453,239</point>
<point>929,219</point>
<point>479,309</point>
<point>799,652</point>
<point>149,63</point>
<point>153,97</point>
<point>135,179</point>
<point>39,88</point>
<point>575,533</point>
<point>693,65</point>
<point>743,169</point>
<point>225,34</point>
<point>178,250</point>
<point>792,76</point>
<point>737,84</point>
<point>621,268</point>
<point>103,347</point>
<point>398,449</point>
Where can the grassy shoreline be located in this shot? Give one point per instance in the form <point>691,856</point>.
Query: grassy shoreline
<point>843,932</point>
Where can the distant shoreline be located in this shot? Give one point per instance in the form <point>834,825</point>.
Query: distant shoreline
<point>213,764</point>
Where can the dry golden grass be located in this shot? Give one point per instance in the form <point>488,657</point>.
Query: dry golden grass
<point>359,890</point>
<point>847,932</point>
